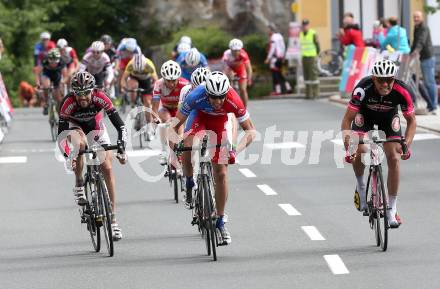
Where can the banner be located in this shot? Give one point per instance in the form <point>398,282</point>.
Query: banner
<point>6,109</point>
<point>293,45</point>
<point>357,64</point>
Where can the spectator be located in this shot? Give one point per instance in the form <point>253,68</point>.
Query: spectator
<point>275,59</point>
<point>396,38</point>
<point>422,48</point>
<point>380,28</point>
<point>350,33</point>
<point>27,94</point>
<point>309,51</point>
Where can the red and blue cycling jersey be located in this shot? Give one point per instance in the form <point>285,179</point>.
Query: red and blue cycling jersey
<point>198,100</point>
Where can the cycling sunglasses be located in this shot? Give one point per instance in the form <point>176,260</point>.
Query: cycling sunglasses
<point>83,92</point>
<point>53,60</point>
<point>385,79</point>
<point>97,52</point>
<point>216,96</point>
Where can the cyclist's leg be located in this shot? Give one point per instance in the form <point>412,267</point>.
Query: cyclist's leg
<point>147,97</point>
<point>57,88</point>
<point>45,84</point>
<point>164,116</point>
<point>132,83</point>
<point>392,129</point>
<point>361,128</point>
<point>242,84</point>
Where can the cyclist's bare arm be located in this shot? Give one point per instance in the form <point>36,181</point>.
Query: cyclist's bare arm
<point>124,79</point>
<point>249,129</point>
<point>346,126</point>
<point>410,128</point>
<point>249,71</point>
<point>155,107</point>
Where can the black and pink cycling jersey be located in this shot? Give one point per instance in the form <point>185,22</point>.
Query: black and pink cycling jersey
<point>91,117</point>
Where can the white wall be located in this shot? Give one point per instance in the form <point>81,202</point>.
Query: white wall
<point>369,11</point>
<point>391,8</point>
<point>434,23</point>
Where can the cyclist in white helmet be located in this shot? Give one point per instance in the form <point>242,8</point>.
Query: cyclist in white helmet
<point>97,63</point>
<point>125,52</point>
<point>183,45</point>
<point>375,101</point>
<point>237,66</point>
<point>140,73</point>
<point>212,102</point>
<point>69,56</point>
<point>166,95</point>
<point>191,60</point>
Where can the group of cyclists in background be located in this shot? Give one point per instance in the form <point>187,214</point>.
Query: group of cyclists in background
<point>187,90</point>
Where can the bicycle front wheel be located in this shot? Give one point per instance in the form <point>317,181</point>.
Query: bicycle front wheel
<point>106,211</point>
<point>89,214</point>
<point>210,216</point>
<point>381,220</point>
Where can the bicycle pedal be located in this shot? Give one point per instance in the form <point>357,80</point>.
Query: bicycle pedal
<point>166,174</point>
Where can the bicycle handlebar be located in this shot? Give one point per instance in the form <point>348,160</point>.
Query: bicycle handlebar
<point>379,141</point>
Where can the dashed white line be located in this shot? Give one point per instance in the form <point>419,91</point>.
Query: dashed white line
<point>313,233</point>
<point>267,190</point>
<point>13,160</point>
<point>247,173</point>
<point>336,264</point>
<point>290,210</point>
<point>425,136</point>
<point>284,145</point>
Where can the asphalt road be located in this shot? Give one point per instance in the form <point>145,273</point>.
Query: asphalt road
<point>291,216</point>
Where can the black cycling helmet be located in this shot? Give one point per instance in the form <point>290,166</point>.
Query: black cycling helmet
<point>82,81</point>
<point>107,39</point>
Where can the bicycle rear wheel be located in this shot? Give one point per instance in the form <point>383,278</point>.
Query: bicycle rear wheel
<point>106,211</point>
<point>381,205</point>
<point>175,184</point>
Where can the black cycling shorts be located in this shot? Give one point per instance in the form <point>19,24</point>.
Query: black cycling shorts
<point>53,75</point>
<point>389,124</point>
<point>145,84</point>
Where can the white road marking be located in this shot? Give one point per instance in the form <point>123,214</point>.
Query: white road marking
<point>337,141</point>
<point>289,209</point>
<point>425,136</point>
<point>284,145</point>
<point>13,160</point>
<point>336,264</point>
<point>247,173</point>
<point>313,233</point>
<point>143,153</point>
<point>267,190</point>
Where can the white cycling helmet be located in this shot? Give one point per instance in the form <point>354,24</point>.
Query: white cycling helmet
<point>130,44</point>
<point>44,35</point>
<point>98,46</point>
<point>185,39</point>
<point>199,76</point>
<point>384,68</point>
<point>235,44</point>
<point>183,47</point>
<point>217,84</point>
<point>138,62</point>
<point>170,70</point>
<point>61,43</point>
<point>192,57</point>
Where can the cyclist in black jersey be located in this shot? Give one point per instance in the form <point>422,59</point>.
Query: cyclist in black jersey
<point>54,72</point>
<point>375,101</point>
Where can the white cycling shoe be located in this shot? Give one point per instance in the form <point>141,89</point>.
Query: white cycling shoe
<point>116,232</point>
